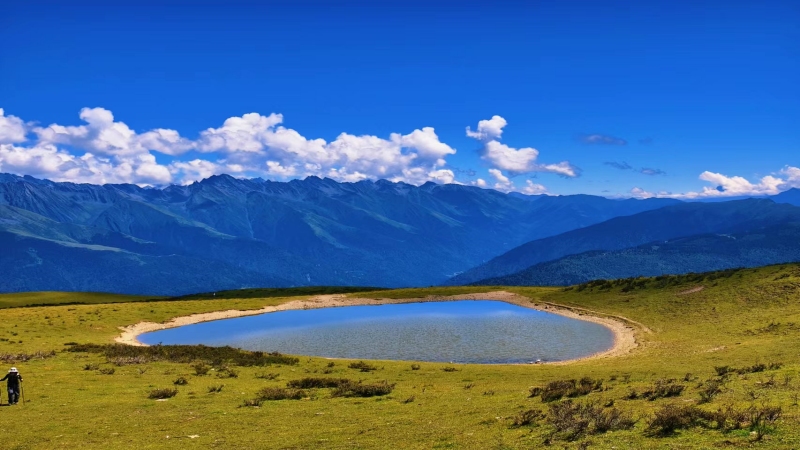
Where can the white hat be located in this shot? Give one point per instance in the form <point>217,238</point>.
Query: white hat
<point>13,369</point>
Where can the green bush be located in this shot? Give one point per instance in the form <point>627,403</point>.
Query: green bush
<point>275,393</point>
<point>662,389</point>
<point>162,393</point>
<point>312,383</point>
<point>558,389</point>
<point>526,418</point>
<point>359,389</point>
<point>362,366</point>
<point>187,354</point>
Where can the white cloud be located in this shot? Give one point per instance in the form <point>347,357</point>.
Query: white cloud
<point>638,192</point>
<point>510,159</point>
<point>488,129</point>
<point>503,183</point>
<point>252,144</point>
<point>102,135</point>
<point>532,188</point>
<point>195,170</point>
<point>249,145</point>
<point>275,168</point>
<point>792,175</point>
<point>733,186</point>
<point>12,129</point>
<point>47,161</point>
<point>239,134</point>
<point>480,182</point>
<point>513,160</point>
<point>426,142</point>
<point>415,157</point>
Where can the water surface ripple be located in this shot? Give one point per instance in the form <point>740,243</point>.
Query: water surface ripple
<point>465,331</point>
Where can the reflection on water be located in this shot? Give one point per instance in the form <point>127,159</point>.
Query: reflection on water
<point>468,331</point>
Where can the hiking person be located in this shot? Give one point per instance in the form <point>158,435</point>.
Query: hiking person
<point>13,376</point>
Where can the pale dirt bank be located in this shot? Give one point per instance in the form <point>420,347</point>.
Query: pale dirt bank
<point>624,330</point>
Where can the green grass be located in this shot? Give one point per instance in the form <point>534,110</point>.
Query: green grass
<point>740,319</point>
<point>277,292</point>
<point>67,298</point>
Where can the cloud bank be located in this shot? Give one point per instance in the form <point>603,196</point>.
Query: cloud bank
<point>735,186</point>
<point>105,150</point>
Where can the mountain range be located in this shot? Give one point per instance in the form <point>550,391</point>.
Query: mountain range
<point>655,226</point>
<point>228,233</point>
<point>699,253</point>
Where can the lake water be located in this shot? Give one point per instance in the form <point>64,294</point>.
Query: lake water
<point>468,331</point>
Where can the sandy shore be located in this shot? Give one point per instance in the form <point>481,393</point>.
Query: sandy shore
<point>624,330</point>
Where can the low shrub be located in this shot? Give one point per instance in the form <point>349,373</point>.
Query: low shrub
<point>128,360</point>
<point>317,383</point>
<point>107,371</point>
<point>162,393</point>
<point>362,366</point>
<point>227,373</point>
<point>256,402</point>
<point>275,393</point>
<point>187,354</point>
<point>670,418</point>
<point>180,381</point>
<point>91,366</point>
<point>449,369</point>
<point>415,367</point>
<point>662,389</point>
<point>267,376</point>
<point>574,420</point>
<point>556,390</point>
<point>200,369</point>
<point>727,419</point>
<point>11,358</point>
<point>526,418</point>
<point>710,389</point>
<point>359,389</point>
<point>213,389</point>
<point>762,419</point>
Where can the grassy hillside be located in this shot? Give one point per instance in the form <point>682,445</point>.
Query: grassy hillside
<point>66,298</point>
<point>703,253</point>
<point>98,397</point>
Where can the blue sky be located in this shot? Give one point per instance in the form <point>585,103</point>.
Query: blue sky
<point>618,99</point>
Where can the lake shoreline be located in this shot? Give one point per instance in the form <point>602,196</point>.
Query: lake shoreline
<point>623,330</point>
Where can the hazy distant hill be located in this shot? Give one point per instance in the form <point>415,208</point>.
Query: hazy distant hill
<point>224,233</point>
<point>670,222</point>
<point>702,253</point>
<point>792,196</point>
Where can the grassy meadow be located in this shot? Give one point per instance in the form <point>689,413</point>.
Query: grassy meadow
<point>716,367</point>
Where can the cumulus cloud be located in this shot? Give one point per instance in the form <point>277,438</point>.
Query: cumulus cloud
<point>488,129</point>
<point>502,182</point>
<point>602,139</point>
<point>505,184</point>
<point>103,149</point>
<point>733,186</point>
<point>103,135</point>
<point>512,160</point>
<point>532,188</point>
<point>12,129</point>
<point>250,145</point>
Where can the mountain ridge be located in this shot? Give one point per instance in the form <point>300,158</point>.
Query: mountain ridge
<point>300,232</point>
